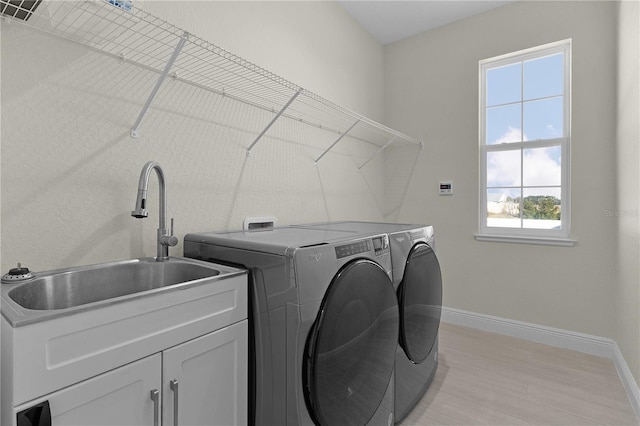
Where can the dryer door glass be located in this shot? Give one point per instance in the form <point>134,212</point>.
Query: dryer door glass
<point>350,351</point>
<point>420,300</point>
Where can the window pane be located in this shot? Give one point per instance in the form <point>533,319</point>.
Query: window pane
<point>504,85</point>
<point>542,167</point>
<point>503,168</point>
<point>525,109</point>
<point>541,208</point>
<point>544,77</point>
<point>543,119</point>
<point>504,124</point>
<point>503,207</point>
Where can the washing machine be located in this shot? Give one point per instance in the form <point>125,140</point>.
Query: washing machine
<point>324,323</point>
<point>418,283</point>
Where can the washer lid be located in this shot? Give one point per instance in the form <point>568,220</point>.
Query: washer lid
<point>351,348</point>
<point>420,300</point>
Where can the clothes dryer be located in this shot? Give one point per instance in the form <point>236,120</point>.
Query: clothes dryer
<point>418,283</point>
<point>325,323</point>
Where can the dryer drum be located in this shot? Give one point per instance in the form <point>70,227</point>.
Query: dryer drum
<point>351,348</point>
<point>420,301</point>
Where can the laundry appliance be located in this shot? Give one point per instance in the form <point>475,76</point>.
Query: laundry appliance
<point>417,280</point>
<point>324,323</point>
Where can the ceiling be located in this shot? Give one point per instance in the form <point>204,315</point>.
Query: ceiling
<point>392,20</point>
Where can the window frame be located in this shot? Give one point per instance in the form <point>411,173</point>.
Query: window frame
<point>527,235</point>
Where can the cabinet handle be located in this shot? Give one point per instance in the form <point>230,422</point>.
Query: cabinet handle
<point>173,384</point>
<point>155,397</point>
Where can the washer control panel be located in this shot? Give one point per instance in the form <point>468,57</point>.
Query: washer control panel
<point>380,246</point>
<point>352,248</point>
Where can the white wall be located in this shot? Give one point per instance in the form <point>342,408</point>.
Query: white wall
<point>627,302</point>
<point>431,90</point>
<point>70,169</point>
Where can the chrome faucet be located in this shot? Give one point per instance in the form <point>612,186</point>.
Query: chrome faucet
<point>164,239</point>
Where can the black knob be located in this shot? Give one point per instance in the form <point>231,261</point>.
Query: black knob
<point>17,275</point>
<point>18,271</point>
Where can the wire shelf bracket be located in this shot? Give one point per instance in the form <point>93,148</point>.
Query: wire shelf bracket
<point>375,154</point>
<point>337,140</point>
<point>282,110</point>
<point>134,130</point>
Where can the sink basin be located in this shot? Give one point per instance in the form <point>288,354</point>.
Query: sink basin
<point>67,288</point>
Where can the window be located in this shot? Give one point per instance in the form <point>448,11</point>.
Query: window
<point>524,146</point>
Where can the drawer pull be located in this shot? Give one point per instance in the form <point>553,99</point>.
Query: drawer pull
<point>173,384</point>
<point>155,397</point>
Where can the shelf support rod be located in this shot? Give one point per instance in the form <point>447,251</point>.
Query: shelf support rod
<point>163,75</point>
<point>337,140</point>
<point>284,108</point>
<point>377,152</point>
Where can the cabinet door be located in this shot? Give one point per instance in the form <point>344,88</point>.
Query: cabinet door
<point>119,397</point>
<point>205,379</point>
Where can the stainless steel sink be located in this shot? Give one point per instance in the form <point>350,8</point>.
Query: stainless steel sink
<point>94,283</point>
<point>65,291</point>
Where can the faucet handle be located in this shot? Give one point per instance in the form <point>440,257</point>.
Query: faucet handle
<point>172,239</point>
<point>169,240</point>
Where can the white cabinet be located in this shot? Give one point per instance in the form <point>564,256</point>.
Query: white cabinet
<point>205,379</point>
<point>121,397</point>
<point>200,382</point>
<point>99,366</point>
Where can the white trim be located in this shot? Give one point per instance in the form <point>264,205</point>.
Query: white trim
<point>530,53</point>
<point>558,242</point>
<point>628,381</point>
<point>585,343</point>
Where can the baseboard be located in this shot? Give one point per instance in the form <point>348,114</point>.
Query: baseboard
<point>628,381</point>
<point>584,343</point>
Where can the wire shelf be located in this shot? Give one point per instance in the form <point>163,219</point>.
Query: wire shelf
<point>116,28</point>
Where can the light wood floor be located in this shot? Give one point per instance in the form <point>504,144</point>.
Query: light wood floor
<point>490,379</point>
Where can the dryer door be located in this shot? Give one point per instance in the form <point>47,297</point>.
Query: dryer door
<point>420,300</point>
<point>350,350</point>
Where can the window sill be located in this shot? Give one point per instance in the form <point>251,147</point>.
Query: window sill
<point>545,241</point>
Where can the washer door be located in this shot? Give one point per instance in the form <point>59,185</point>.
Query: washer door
<point>350,350</point>
<point>420,300</point>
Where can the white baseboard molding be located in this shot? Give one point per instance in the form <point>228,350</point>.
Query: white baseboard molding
<point>585,343</point>
<point>628,381</point>
<point>566,339</point>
